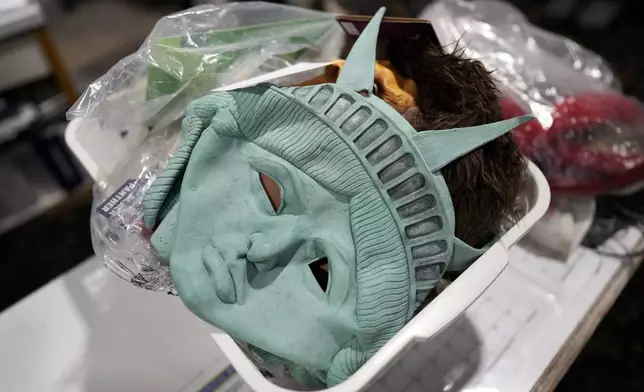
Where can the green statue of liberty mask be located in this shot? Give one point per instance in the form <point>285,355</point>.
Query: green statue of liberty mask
<point>358,187</point>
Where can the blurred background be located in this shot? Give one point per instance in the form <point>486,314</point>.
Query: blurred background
<point>50,52</point>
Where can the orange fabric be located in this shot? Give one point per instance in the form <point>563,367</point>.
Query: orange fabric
<point>392,88</point>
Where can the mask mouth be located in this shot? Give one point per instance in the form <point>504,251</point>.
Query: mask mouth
<point>320,270</point>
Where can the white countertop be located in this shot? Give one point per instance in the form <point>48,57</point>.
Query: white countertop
<point>90,331</point>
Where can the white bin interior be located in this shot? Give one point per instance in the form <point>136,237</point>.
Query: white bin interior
<point>99,150</point>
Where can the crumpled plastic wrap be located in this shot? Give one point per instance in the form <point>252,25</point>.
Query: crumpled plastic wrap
<point>192,52</point>
<point>119,237</point>
<point>186,56</point>
<point>588,138</point>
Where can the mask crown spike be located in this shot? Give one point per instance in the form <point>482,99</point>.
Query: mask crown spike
<point>359,68</point>
<point>440,147</point>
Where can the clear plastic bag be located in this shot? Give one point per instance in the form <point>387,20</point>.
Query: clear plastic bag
<point>588,138</point>
<point>192,52</point>
<point>187,55</point>
<point>119,237</point>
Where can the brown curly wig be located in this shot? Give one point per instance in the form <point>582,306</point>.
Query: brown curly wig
<point>458,92</point>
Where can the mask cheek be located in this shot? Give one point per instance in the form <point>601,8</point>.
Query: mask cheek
<point>194,285</point>
<point>164,236</point>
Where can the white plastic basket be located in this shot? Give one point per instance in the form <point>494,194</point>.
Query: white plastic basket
<point>437,315</point>
<point>100,150</point>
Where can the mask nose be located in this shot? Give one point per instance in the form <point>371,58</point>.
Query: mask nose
<point>226,266</point>
<point>225,259</point>
<point>274,249</point>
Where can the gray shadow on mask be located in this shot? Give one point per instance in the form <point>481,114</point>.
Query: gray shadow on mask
<point>446,362</point>
<point>269,271</point>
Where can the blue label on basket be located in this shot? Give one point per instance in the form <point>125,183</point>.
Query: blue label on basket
<point>116,198</point>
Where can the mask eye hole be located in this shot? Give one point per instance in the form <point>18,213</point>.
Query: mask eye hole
<point>272,190</point>
<point>320,270</point>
